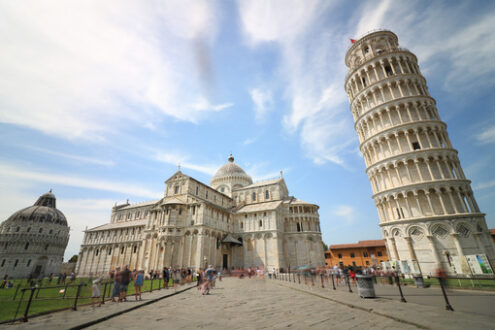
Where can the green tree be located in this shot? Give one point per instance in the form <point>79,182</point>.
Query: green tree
<point>325,247</point>
<point>73,258</point>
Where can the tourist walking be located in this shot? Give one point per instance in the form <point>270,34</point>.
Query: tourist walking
<point>95,292</point>
<point>125,279</point>
<point>166,277</point>
<point>116,285</point>
<point>138,283</point>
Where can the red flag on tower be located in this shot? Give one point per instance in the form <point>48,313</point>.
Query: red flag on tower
<point>353,41</point>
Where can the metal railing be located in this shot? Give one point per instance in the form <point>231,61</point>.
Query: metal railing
<point>344,283</point>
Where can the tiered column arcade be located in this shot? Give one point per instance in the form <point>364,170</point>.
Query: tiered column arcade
<point>426,206</point>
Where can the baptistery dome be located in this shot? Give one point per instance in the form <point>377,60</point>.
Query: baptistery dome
<point>229,177</point>
<point>43,211</point>
<point>33,240</point>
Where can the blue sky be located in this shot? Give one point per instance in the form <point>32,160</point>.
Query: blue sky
<point>101,100</point>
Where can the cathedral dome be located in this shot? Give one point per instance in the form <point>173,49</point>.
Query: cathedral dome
<point>230,176</point>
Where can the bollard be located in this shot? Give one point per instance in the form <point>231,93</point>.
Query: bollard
<point>25,318</point>
<point>447,306</point>
<point>159,284</point>
<point>294,277</point>
<point>333,283</point>
<point>104,292</point>
<point>151,286</point>
<point>347,278</point>
<point>397,280</point>
<point>312,279</point>
<point>321,277</point>
<point>299,278</point>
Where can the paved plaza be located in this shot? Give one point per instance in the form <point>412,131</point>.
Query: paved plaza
<point>266,304</point>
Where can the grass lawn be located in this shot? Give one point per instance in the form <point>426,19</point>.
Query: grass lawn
<point>49,297</point>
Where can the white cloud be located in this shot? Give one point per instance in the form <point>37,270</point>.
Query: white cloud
<point>76,181</point>
<point>183,161</point>
<point>259,172</point>
<point>311,54</point>
<point>77,158</point>
<point>263,102</point>
<point>81,69</point>
<point>248,141</point>
<point>204,105</point>
<point>485,185</point>
<point>346,212</point>
<point>487,135</point>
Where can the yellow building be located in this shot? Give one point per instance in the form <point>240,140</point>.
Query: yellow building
<point>360,254</point>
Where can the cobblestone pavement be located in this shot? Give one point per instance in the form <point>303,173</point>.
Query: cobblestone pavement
<point>249,304</point>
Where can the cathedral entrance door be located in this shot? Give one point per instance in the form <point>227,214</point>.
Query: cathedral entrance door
<point>225,261</point>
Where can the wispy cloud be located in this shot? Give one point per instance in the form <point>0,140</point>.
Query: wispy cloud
<point>259,171</point>
<point>345,212</point>
<point>314,83</point>
<point>487,135</point>
<point>76,69</point>
<point>248,141</point>
<point>263,102</point>
<point>184,162</point>
<point>77,158</point>
<point>485,185</point>
<point>77,181</point>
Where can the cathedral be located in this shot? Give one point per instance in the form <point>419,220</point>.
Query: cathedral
<point>230,223</point>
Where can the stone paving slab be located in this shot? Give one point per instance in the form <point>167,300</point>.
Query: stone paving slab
<point>249,304</point>
<point>421,315</point>
<point>69,319</point>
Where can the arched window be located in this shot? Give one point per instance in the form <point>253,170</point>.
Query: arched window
<point>298,227</point>
<point>261,223</point>
<point>41,230</point>
<point>46,247</point>
<point>3,262</point>
<point>109,251</point>
<point>242,224</point>
<point>197,190</point>
<point>122,250</point>
<point>135,248</point>
<point>254,196</point>
<point>26,246</point>
<point>16,262</point>
<point>267,194</point>
<point>17,229</point>
<point>96,252</point>
<point>29,229</point>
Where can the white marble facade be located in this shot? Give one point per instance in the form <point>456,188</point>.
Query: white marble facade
<point>231,223</point>
<point>428,213</point>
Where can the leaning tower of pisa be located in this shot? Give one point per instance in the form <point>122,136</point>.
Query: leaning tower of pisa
<point>428,214</point>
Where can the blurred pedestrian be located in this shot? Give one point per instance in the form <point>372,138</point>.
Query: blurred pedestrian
<point>95,292</point>
<point>138,283</point>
